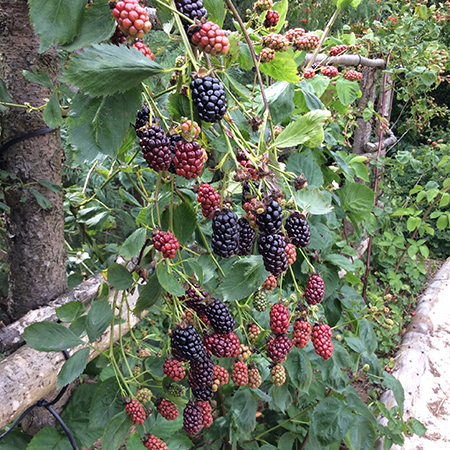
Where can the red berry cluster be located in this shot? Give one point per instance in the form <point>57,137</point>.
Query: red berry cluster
<point>118,37</point>
<point>220,377</point>
<point>207,418</point>
<point>338,50</point>
<point>275,41</point>
<point>136,412</point>
<point>139,45</point>
<point>278,348</point>
<point>309,73</point>
<point>239,374</point>
<point>253,331</point>
<point>291,253</point>
<point>174,370</point>
<point>330,71</point>
<point>211,39</point>
<point>254,377</point>
<point>166,243</point>
<point>307,42</point>
<point>315,290</point>
<point>189,159</point>
<point>279,319</point>
<point>209,199</point>
<point>190,129</point>
<point>222,345</point>
<point>294,33</point>
<point>132,18</point>
<point>167,409</point>
<point>272,18</point>
<point>302,331</point>
<point>321,339</point>
<point>267,55</point>
<point>353,75</point>
<point>154,443</point>
<point>244,161</point>
<point>270,283</point>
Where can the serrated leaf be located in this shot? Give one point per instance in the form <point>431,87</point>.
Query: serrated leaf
<point>357,198</point>
<point>216,11</point>
<point>49,439</point>
<point>149,295</point>
<point>243,409</point>
<point>106,69</point>
<point>282,8</point>
<point>168,281</point>
<point>73,367</point>
<point>15,440</point>
<point>315,202</point>
<point>106,403</point>
<point>70,311</point>
<point>43,201</point>
<point>56,21</point>
<point>5,96</point>
<point>134,442</point>
<point>282,68</point>
<point>98,24</point>
<point>50,337</point>
<point>299,369</point>
<point>280,100</point>
<point>39,77</point>
<point>134,243</point>
<point>116,431</point>
<point>52,112</point>
<point>184,222</point>
<point>367,335</point>
<point>244,277</point>
<point>98,319</point>
<point>390,382</point>
<point>347,91</point>
<point>303,129</point>
<point>50,186</point>
<point>341,261</point>
<point>179,106</point>
<point>91,129</point>
<point>302,164</point>
<point>119,277</point>
<point>362,434</point>
<point>331,421</point>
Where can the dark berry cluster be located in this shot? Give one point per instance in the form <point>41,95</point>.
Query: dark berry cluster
<point>298,230</point>
<point>269,222</point>
<point>187,342</point>
<point>220,317</point>
<point>272,18</point>
<point>315,290</point>
<point>155,146</point>
<point>201,372</point>
<point>246,237</point>
<point>222,345</point>
<point>208,95</point>
<point>192,418</point>
<point>278,348</point>
<point>225,236</point>
<point>272,248</point>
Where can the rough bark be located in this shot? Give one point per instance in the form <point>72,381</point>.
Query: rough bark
<point>348,60</point>
<point>364,129</point>
<point>35,236</point>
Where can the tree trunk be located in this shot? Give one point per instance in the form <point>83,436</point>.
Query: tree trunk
<point>35,236</point>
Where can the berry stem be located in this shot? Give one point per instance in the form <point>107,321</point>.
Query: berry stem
<point>209,250</point>
<point>175,11</point>
<point>297,288</point>
<point>307,260</point>
<point>157,189</point>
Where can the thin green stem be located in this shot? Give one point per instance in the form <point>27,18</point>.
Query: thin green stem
<point>209,251</point>
<point>157,189</point>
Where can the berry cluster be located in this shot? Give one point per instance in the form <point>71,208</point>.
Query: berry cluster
<point>315,290</point>
<point>254,377</point>
<point>139,45</point>
<point>155,146</point>
<point>272,18</point>
<point>246,237</point>
<point>291,253</point>
<point>209,200</point>
<point>207,418</point>
<point>136,412</point>
<point>297,229</point>
<point>275,41</point>
<point>253,332</point>
<point>144,395</point>
<point>192,418</point>
<point>193,9</point>
<point>174,370</point>
<point>267,55</point>
<point>272,248</point>
<point>302,331</point>
<point>222,345</point>
<point>208,96</point>
<point>167,409</point>
<point>279,319</point>
<point>166,243</point>
<point>353,75</point>
<point>220,317</point>
<point>330,71</point>
<point>154,443</point>
<point>278,348</point>
<point>211,39</point>
<point>225,236</point>
<point>278,375</point>
<point>270,283</point>
<point>132,18</point>
<point>338,50</point>
<point>306,42</point>
<point>309,73</point>
<point>187,342</point>
<point>321,339</point>
<point>260,301</point>
<point>239,374</point>
<point>190,130</point>
<point>262,5</point>
<point>189,159</point>
<point>220,377</point>
<point>294,33</point>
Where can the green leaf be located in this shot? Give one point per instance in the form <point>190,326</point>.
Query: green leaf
<point>51,186</point>
<point>314,202</point>
<point>390,382</point>
<point>282,397</point>
<point>216,11</point>
<point>70,311</point>
<point>106,403</point>
<point>39,77</point>
<point>416,426</point>
<point>56,21</point>
<point>91,129</point>
<point>119,277</point>
<point>98,319</point>
<point>282,8</point>
<point>149,295</point>
<point>5,96</point>
<point>442,222</point>
<point>116,431</point>
<point>43,201</point>
<point>243,278</point>
<point>331,421</point>
<point>98,24</point>
<point>286,441</point>
<point>282,68</point>
<point>299,369</point>
<point>134,442</point>
<point>298,164</point>
<point>357,198</point>
<point>49,439</point>
<point>341,261</point>
<point>184,222</point>
<point>179,106</point>
<point>279,97</point>
<point>73,367</point>
<point>243,410</point>
<point>106,69</point>
<point>133,243</point>
<point>52,112</point>
<point>50,337</point>
<point>303,129</point>
<point>347,91</point>
<point>362,434</point>
<point>168,281</point>
<point>319,84</point>
<point>412,223</point>
<point>445,200</point>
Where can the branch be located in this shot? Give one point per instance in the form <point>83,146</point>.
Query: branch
<point>348,60</point>
<point>373,146</point>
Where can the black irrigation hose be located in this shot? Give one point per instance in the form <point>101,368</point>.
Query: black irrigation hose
<point>48,406</point>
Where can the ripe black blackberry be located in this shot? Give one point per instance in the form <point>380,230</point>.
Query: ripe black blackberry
<point>208,95</point>
<point>193,9</point>
<point>246,237</point>
<point>225,236</point>
<point>270,221</point>
<point>192,418</point>
<point>298,230</point>
<point>195,298</point>
<point>220,317</point>
<point>174,139</point>
<point>272,248</point>
<point>203,394</point>
<point>187,342</point>
<point>142,118</point>
<point>202,371</point>
<point>156,148</point>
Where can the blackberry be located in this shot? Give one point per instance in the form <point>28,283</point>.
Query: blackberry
<point>208,95</point>
<point>321,339</point>
<point>269,222</point>
<point>189,159</point>
<point>309,73</point>
<point>186,340</point>
<point>270,283</point>
<point>225,236</point>
<point>142,119</point>
<point>155,146</point>
<point>246,237</point>
<point>223,345</point>
<point>176,390</point>
<point>174,370</point>
<point>353,75</point>
<point>279,319</point>
<point>260,301</point>
<point>166,243</point>
<point>291,253</point>
<point>136,412</point>
<point>220,377</point>
<point>201,373</point>
<point>298,230</point>
<point>330,71</point>
<point>131,18</point>
<point>154,443</point>
<point>143,395</point>
<point>195,298</point>
<point>167,409</point>
<point>315,290</point>
<point>204,394</point>
<point>338,50</point>
<point>193,9</point>
<point>272,249</point>
<point>239,374</point>
<point>211,39</point>
<point>278,348</point>
<point>278,375</point>
<point>207,417</point>
<point>220,317</point>
<point>209,198</point>
<point>271,19</point>
<point>302,331</point>
<point>192,418</point>
<point>254,377</point>
<point>174,139</point>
